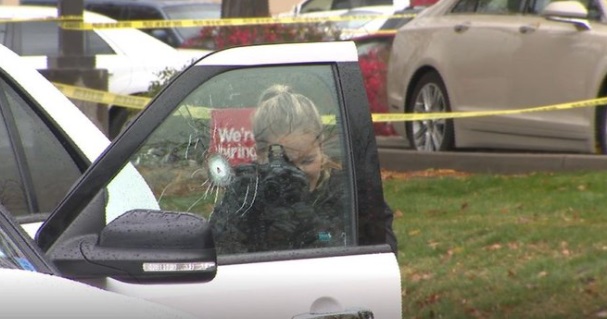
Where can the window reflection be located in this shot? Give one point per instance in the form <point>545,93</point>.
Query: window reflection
<point>267,170</point>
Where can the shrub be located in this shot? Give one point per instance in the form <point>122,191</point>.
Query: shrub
<point>216,38</point>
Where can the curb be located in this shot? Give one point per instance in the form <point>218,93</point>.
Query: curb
<point>394,156</point>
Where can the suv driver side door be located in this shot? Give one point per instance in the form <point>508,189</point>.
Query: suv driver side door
<point>196,141</point>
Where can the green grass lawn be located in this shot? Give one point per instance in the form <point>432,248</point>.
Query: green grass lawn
<point>491,246</point>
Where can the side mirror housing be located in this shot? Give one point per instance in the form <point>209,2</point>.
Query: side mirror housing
<point>143,246</point>
<point>565,9</point>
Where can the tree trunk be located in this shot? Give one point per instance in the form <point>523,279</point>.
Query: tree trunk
<point>245,8</point>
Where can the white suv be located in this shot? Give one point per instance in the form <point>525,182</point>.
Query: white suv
<point>135,221</point>
<point>133,58</point>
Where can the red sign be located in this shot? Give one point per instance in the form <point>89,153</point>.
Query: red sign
<point>232,135</point>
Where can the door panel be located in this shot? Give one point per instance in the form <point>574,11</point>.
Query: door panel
<point>288,178</point>
<point>557,63</point>
<point>479,49</point>
<point>283,289</point>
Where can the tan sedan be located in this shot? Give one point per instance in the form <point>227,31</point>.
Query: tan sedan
<point>479,55</point>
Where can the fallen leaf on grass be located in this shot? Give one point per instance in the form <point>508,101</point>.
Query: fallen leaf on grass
<point>417,277</point>
<point>513,246</point>
<point>414,232</point>
<point>564,249</point>
<point>433,244</point>
<point>388,175</point>
<point>398,213</point>
<point>542,274</point>
<point>601,314</point>
<point>494,247</point>
<point>591,289</point>
<point>432,299</point>
<point>475,313</point>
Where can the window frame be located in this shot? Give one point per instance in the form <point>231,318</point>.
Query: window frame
<point>369,221</point>
<point>27,181</point>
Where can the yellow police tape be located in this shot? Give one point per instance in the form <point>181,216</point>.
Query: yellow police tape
<point>189,23</point>
<point>139,102</point>
<point>103,97</point>
<point>392,117</point>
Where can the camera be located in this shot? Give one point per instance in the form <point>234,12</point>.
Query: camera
<point>281,183</point>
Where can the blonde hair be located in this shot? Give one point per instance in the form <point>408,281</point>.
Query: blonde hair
<point>281,112</point>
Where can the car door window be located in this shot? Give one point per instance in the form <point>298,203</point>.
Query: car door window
<point>36,170</point>
<point>465,6</point>
<point>488,6</point>
<point>593,7</point>
<point>266,179</point>
<point>41,38</point>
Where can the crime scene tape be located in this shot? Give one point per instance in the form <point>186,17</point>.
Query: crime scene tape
<point>103,97</point>
<point>138,102</point>
<point>393,117</point>
<point>189,23</point>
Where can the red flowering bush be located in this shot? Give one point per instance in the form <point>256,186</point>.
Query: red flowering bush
<point>373,66</point>
<point>216,38</point>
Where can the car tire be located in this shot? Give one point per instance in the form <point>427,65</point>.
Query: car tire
<point>430,96</point>
<point>601,129</point>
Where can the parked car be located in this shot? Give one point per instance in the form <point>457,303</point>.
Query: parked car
<point>133,59</point>
<point>336,7</point>
<point>128,10</point>
<point>136,221</point>
<point>469,55</point>
<point>33,288</point>
<point>362,27</point>
<point>46,144</point>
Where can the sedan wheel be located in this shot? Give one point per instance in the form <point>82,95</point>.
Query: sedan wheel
<point>430,96</point>
<point>601,127</point>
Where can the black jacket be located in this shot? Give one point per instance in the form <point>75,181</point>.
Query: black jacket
<point>249,217</point>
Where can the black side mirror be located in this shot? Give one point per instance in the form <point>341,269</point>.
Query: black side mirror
<point>144,246</point>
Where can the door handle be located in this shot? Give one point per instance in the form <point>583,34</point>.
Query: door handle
<point>462,27</point>
<point>347,314</point>
<point>524,29</point>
